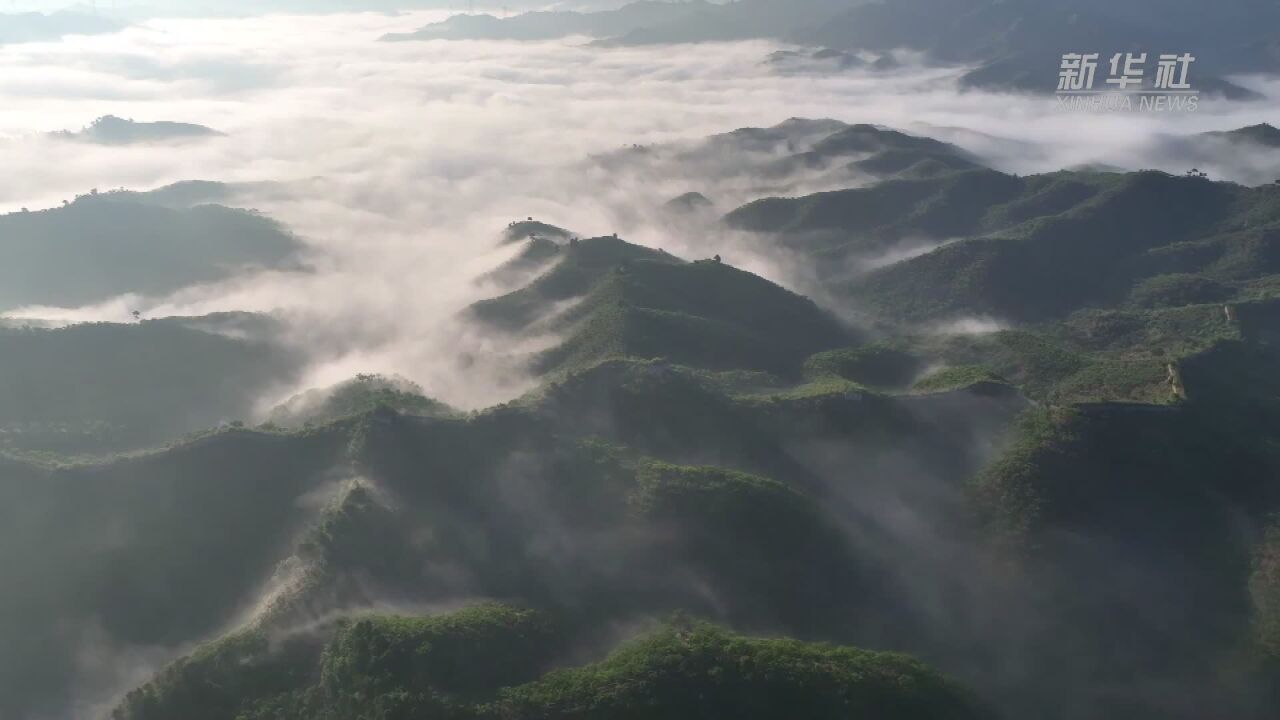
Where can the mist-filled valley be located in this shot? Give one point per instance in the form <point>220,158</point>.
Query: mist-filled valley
<point>661,360</point>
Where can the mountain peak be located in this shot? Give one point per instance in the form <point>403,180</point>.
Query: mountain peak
<point>1260,134</point>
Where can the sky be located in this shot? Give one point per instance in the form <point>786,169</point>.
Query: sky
<point>206,8</point>
<point>410,158</point>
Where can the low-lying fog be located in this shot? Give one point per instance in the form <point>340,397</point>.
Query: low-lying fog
<point>409,158</point>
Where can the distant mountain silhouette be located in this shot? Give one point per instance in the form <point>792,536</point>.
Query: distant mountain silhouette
<point>544,25</point>
<point>1261,134</point>
<point>1014,44</point>
<point>112,130</point>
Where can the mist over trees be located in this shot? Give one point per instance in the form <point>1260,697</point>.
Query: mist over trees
<point>505,372</point>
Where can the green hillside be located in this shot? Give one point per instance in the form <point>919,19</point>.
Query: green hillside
<point>845,223</point>
<point>96,248</point>
<point>608,298</point>
<point>596,498</point>
<point>1036,248</point>
<point>536,253</point>
<point>887,153</point>
<point>1149,238</point>
<point>1045,464</point>
<point>1163,509</point>
<point>357,396</point>
<point>99,387</point>
<point>492,661</point>
<point>150,551</point>
<point>773,158</point>
<point>700,671</point>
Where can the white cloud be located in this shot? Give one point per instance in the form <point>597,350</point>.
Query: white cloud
<point>429,148</point>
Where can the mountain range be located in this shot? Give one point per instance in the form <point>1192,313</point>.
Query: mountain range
<point>1024,433</point>
<point>1007,44</point>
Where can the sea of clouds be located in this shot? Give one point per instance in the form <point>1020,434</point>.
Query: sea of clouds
<point>408,159</point>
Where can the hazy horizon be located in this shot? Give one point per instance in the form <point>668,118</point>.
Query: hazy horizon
<point>823,322</point>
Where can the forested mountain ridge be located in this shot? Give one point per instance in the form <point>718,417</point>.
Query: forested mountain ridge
<point>1008,44</point>
<point>1033,248</point>
<point>541,483</point>
<point>94,388</point>
<point>630,301</point>
<point>100,246</point>
<point>1044,465</point>
<point>449,661</point>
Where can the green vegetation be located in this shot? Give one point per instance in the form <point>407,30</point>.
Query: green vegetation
<point>1033,249</point>
<point>96,248</point>
<point>1139,234</point>
<point>375,666</point>
<point>534,257</point>
<point>697,671</point>
<point>96,388</point>
<point>879,365</point>
<point>887,153</point>
<point>405,667</point>
<point>955,378</point>
<point>912,164</point>
<point>598,498</point>
<point>1176,290</point>
<point>1177,492</point>
<point>635,302</point>
<point>359,395</point>
<point>951,204</point>
<point>154,550</point>
<point>488,662</point>
<point>591,261</point>
<point>240,675</point>
<point>1065,503</point>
